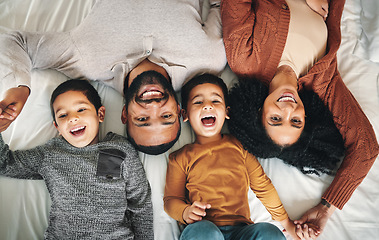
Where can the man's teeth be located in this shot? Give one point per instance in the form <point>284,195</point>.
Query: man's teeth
<point>150,94</point>
<point>77,129</point>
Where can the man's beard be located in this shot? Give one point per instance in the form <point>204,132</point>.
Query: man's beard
<point>142,80</point>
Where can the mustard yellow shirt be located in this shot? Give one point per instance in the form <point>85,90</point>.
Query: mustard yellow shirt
<point>219,173</point>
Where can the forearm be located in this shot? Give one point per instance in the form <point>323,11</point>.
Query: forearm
<point>175,208</point>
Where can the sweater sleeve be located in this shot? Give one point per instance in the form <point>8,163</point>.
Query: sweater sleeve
<point>138,193</point>
<point>20,52</point>
<point>20,164</point>
<point>359,137</point>
<point>175,196</point>
<point>264,189</point>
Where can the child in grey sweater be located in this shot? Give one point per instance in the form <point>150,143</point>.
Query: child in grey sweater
<point>98,188</point>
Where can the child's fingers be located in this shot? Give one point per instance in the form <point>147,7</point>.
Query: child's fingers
<point>9,113</point>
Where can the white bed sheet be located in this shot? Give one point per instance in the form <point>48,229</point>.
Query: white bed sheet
<point>24,204</point>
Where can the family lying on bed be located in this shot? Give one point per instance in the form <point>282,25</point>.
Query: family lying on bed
<point>290,102</point>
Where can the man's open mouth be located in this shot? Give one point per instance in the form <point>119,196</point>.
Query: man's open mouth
<point>78,130</point>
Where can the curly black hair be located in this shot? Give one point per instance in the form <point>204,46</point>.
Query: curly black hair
<point>320,146</point>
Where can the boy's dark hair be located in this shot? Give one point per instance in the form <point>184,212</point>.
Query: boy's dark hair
<point>320,146</point>
<point>202,79</point>
<point>82,86</point>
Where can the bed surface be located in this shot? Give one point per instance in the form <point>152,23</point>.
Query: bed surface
<point>24,204</point>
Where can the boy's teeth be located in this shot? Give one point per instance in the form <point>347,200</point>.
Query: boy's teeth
<point>77,129</point>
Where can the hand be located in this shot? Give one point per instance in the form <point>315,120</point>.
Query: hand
<point>12,104</point>
<point>315,219</point>
<point>307,231</point>
<point>319,6</point>
<point>289,227</point>
<point>195,212</point>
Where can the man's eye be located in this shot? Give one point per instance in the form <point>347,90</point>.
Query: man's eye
<point>166,116</point>
<point>142,119</point>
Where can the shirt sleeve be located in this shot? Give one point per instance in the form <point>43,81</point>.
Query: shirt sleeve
<point>20,52</point>
<point>264,189</point>
<point>20,164</point>
<point>175,196</point>
<point>138,193</point>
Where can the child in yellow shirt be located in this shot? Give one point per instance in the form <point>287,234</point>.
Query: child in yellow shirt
<point>207,182</point>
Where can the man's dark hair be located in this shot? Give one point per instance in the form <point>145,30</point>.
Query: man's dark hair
<point>202,79</point>
<point>156,149</point>
<point>320,146</point>
<point>82,86</point>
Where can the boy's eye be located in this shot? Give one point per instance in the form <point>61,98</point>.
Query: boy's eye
<point>198,102</point>
<point>62,116</point>
<point>81,109</point>
<point>216,101</point>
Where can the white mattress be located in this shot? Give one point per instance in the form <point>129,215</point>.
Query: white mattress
<point>24,204</point>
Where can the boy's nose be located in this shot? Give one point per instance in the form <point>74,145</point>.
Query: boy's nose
<point>207,107</point>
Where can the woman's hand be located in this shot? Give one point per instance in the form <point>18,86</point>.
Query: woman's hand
<point>319,6</point>
<point>12,104</point>
<point>195,212</point>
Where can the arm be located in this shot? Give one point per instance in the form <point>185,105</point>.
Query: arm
<point>20,164</point>
<point>138,192</point>
<point>212,26</point>
<point>175,202</point>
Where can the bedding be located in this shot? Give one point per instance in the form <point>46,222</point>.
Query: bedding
<point>24,204</point>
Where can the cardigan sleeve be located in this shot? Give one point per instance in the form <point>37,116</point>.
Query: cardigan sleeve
<point>358,134</point>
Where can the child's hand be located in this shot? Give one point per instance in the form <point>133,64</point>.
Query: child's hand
<point>307,231</point>
<point>290,228</point>
<point>195,212</point>
<point>319,6</point>
<point>12,104</point>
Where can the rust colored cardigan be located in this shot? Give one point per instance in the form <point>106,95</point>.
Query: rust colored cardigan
<point>255,33</point>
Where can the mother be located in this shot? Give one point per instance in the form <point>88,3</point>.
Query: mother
<point>264,42</point>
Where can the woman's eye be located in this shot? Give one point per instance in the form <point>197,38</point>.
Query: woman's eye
<point>297,121</point>
<point>275,119</point>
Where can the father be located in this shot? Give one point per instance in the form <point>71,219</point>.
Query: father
<point>118,41</point>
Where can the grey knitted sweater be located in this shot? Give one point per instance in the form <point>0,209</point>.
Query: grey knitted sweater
<point>115,37</point>
<point>97,192</point>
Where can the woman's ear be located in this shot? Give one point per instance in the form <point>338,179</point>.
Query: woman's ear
<point>227,112</point>
<point>184,115</point>
<point>101,113</point>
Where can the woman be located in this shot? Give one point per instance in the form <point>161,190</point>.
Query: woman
<point>258,36</point>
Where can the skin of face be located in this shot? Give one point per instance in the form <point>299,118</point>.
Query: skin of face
<point>76,118</point>
<point>283,116</point>
<point>155,122</point>
<point>206,112</point>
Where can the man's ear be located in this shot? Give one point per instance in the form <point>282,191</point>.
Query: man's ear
<point>101,113</point>
<point>227,112</point>
<point>184,115</point>
<point>124,115</point>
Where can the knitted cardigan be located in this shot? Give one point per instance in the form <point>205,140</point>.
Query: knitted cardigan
<point>92,196</point>
<point>255,33</point>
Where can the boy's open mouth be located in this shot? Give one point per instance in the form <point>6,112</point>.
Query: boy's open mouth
<point>78,130</point>
<point>208,121</point>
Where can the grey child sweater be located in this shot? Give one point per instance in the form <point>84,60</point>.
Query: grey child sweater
<point>97,192</point>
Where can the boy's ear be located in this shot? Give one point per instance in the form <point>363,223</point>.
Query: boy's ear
<point>184,115</point>
<point>227,112</point>
<point>101,113</point>
<point>124,115</point>
<point>56,126</point>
